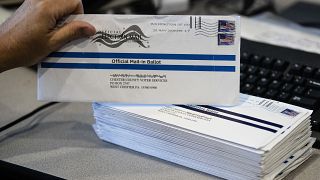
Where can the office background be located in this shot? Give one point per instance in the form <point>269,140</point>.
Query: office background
<point>60,140</point>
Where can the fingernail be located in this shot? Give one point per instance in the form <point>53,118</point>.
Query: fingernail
<point>88,31</point>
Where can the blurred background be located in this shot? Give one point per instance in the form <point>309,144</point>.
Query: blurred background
<point>245,7</point>
<point>305,12</point>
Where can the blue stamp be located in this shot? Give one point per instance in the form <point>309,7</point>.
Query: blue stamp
<point>227,26</point>
<point>290,112</point>
<point>225,39</point>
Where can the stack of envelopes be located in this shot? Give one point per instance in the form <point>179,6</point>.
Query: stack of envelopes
<point>257,139</point>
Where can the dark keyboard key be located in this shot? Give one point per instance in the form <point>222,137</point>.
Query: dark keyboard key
<point>251,79</point>
<point>263,82</point>
<point>256,60</point>
<point>275,75</point>
<point>259,91</point>
<point>271,93</point>
<point>317,74</point>
<point>315,122</point>
<point>245,57</point>
<point>308,71</point>
<point>264,72</point>
<point>287,78</point>
<point>275,84</point>
<point>298,80</point>
<point>242,77</point>
<point>280,65</point>
<point>283,96</point>
<point>303,102</point>
<point>296,69</point>
<point>252,69</point>
<point>247,88</point>
<point>313,84</point>
<point>267,62</point>
<point>287,87</point>
<point>243,67</point>
<point>313,93</point>
<point>299,90</point>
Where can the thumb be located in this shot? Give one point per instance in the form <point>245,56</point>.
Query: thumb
<point>72,31</point>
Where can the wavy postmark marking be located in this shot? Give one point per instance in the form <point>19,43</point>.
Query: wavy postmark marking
<point>203,28</point>
<point>131,34</point>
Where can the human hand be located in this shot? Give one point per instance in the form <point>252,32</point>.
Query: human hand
<point>32,32</point>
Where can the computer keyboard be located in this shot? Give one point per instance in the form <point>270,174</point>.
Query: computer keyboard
<point>282,74</point>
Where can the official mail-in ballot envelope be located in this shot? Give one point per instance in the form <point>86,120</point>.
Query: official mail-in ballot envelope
<point>147,59</point>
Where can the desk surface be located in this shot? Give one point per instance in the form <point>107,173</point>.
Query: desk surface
<point>60,141</point>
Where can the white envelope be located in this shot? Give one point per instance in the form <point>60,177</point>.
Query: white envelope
<point>257,123</point>
<point>147,59</point>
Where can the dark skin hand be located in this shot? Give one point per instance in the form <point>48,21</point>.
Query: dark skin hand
<point>32,32</point>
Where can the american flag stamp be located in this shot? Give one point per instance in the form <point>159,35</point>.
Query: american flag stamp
<point>226,26</point>
<point>225,39</point>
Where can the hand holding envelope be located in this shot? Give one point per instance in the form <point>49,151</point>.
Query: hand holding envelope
<point>33,31</point>
<point>145,59</point>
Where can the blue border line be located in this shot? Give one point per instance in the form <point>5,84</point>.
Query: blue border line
<point>243,116</point>
<point>143,56</point>
<point>137,67</point>
<point>228,118</point>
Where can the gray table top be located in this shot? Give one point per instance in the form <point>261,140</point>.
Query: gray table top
<point>61,141</point>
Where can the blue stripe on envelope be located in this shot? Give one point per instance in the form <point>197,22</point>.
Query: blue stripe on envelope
<point>229,118</point>
<point>143,56</point>
<point>243,116</point>
<point>137,67</point>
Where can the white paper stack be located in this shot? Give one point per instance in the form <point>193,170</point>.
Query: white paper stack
<point>257,139</point>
